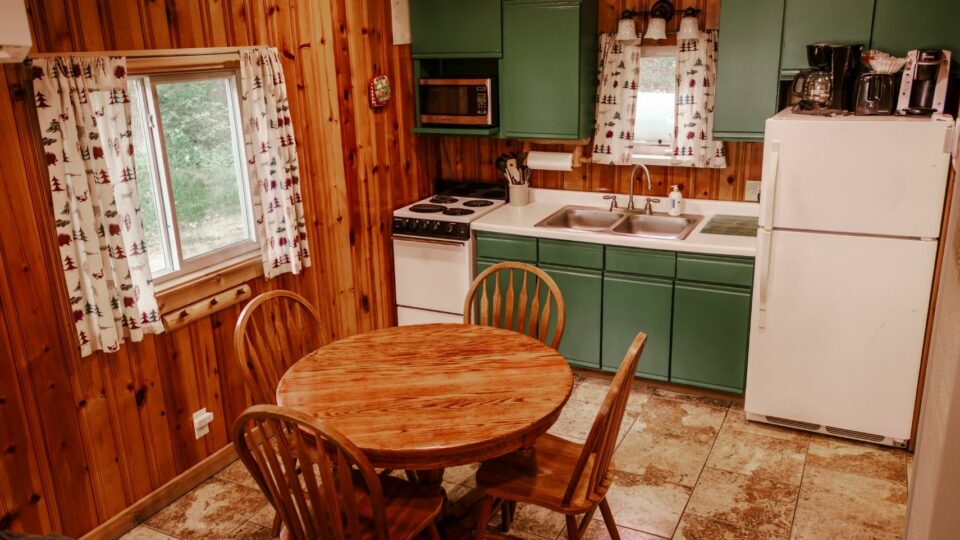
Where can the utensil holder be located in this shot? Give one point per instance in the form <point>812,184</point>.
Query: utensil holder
<point>519,195</point>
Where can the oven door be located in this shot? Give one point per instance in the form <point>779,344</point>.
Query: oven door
<point>432,275</point>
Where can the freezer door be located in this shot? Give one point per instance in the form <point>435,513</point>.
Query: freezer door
<point>855,175</point>
<point>837,330</point>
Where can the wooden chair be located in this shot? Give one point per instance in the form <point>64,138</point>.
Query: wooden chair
<point>337,494</point>
<point>274,330</point>
<point>560,475</point>
<point>527,310</point>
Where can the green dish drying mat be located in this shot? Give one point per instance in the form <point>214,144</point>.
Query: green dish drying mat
<point>731,225</point>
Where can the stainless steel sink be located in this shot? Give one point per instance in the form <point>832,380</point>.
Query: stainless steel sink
<point>583,219</point>
<point>656,225</point>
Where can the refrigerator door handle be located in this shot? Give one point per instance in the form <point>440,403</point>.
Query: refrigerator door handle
<point>764,246</point>
<point>771,174</point>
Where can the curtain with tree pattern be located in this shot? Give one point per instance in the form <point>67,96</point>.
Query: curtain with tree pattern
<point>619,73</point>
<point>696,82</point>
<point>85,122</point>
<point>272,163</point>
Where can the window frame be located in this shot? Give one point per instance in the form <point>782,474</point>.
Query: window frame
<point>179,268</point>
<point>650,154</point>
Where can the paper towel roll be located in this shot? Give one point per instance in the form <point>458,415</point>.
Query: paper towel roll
<point>550,161</point>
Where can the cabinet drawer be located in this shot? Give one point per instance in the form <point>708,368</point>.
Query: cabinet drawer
<point>712,269</point>
<point>646,262</point>
<point>507,248</point>
<point>576,254</point>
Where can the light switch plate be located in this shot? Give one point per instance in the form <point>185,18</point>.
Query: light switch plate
<point>201,422</point>
<point>752,192</point>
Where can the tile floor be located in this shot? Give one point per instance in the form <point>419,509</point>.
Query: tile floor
<point>686,468</point>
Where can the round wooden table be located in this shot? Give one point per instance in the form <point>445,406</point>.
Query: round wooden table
<point>431,396</point>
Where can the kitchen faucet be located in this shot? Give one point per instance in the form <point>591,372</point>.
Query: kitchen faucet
<point>648,208</point>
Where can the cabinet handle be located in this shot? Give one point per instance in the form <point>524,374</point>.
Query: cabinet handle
<point>771,174</point>
<point>764,238</point>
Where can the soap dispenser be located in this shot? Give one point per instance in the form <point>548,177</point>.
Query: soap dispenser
<point>676,202</point>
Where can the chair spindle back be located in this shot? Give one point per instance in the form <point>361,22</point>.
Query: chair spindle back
<point>313,485</point>
<point>274,330</point>
<point>602,439</point>
<point>519,297</point>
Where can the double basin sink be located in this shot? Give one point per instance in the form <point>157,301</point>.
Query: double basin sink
<point>655,225</point>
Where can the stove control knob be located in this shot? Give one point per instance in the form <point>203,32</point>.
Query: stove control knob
<point>436,226</point>
<point>451,227</point>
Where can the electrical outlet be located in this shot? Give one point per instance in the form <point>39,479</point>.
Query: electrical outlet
<point>752,193</point>
<point>201,422</point>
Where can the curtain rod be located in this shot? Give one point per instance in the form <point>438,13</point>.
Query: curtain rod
<point>148,53</point>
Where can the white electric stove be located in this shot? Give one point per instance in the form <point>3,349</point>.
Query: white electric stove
<point>434,253</point>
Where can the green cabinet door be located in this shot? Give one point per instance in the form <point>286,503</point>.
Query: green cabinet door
<point>822,21</point>
<point>748,67</point>
<point>461,29</point>
<point>900,26</point>
<point>634,304</point>
<point>548,69</point>
<point>582,294</point>
<point>711,326</point>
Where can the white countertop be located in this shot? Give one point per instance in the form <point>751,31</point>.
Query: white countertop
<point>520,220</point>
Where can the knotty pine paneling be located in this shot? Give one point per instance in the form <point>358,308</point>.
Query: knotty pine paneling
<point>472,158</point>
<point>83,438</point>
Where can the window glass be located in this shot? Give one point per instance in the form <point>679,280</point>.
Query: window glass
<point>147,185</point>
<point>194,195</point>
<point>656,101</point>
<point>200,144</point>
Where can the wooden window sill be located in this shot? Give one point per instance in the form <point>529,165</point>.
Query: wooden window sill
<point>187,289</point>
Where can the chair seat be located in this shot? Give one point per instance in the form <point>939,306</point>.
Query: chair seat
<point>408,508</point>
<point>540,476</point>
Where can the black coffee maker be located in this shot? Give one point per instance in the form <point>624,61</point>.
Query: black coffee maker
<point>843,62</point>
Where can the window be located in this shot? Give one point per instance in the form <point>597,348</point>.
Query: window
<point>656,103</point>
<point>191,171</point>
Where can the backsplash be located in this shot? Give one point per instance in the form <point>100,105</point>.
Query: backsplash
<point>472,158</point>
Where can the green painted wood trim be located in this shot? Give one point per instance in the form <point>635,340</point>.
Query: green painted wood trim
<point>575,254</point>
<point>507,247</point>
<point>461,29</point>
<point>715,269</point>
<point>699,384</point>
<point>583,295</point>
<point>641,261</point>
<point>738,136</point>
<point>456,131</point>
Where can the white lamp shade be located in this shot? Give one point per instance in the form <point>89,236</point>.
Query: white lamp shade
<point>689,28</point>
<point>627,31</point>
<point>656,29</point>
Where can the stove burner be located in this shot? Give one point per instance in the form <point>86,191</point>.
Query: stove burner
<point>477,204</point>
<point>426,208</point>
<point>457,212</point>
<point>443,199</point>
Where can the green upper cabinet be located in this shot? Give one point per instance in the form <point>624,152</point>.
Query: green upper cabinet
<point>748,66</point>
<point>822,21</point>
<point>548,70</point>
<point>460,29</point>
<point>900,26</point>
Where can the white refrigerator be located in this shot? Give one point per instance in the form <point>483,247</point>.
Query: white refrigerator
<point>850,215</point>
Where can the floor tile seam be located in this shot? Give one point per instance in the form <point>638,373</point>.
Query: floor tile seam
<point>803,474</point>
<point>904,483</point>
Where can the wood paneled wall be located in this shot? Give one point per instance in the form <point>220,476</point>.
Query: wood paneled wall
<point>83,438</point>
<point>468,158</point>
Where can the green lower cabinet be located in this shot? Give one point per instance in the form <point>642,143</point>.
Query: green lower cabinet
<point>582,293</point>
<point>711,327</point>
<point>634,304</point>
